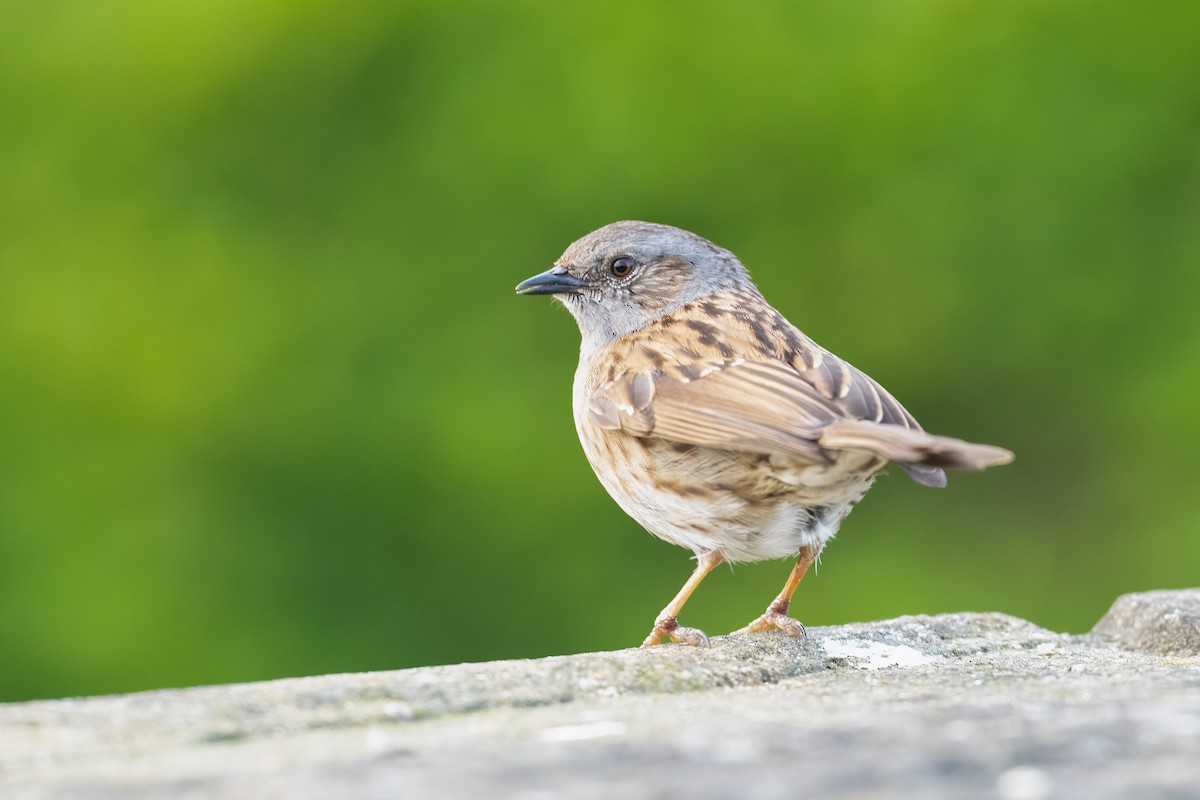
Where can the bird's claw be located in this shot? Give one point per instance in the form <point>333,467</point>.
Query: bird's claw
<point>775,621</point>
<point>670,627</point>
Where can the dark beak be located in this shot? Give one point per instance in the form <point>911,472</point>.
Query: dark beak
<point>553,281</point>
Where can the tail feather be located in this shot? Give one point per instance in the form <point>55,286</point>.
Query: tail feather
<point>922,455</point>
<point>926,476</point>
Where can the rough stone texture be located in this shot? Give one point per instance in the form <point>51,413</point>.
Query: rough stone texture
<point>961,705</point>
<point>1166,622</point>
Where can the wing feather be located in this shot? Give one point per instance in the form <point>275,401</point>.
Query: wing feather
<point>757,406</point>
<point>787,395</point>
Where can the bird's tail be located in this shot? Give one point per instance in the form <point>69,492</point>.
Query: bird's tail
<point>922,455</point>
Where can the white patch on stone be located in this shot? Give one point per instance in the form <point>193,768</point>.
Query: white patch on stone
<point>579,733</point>
<point>1024,783</point>
<point>378,741</point>
<point>877,655</point>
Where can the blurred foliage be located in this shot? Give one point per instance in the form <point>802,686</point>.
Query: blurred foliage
<point>270,406</point>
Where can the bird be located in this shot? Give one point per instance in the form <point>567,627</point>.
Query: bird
<point>714,422</point>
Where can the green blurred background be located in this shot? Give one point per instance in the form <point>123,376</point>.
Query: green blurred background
<point>268,404</point>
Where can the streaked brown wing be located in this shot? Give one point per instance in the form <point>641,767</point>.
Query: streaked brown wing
<point>756,406</point>
<point>755,384</point>
<point>857,396</point>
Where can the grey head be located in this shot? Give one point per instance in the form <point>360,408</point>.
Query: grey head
<point>618,279</point>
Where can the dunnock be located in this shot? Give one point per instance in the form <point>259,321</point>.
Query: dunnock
<point>713,421</point>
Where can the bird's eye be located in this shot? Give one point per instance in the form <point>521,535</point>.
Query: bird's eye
<point>621,266</point>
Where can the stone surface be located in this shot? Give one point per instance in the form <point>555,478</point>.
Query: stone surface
<point>1166,622</point>
<point>960,705</point>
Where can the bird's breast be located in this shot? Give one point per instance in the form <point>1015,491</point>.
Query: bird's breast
<point>706,499</point>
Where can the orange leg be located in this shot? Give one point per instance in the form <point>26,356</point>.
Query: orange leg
<point>775,617</point>
<point>667,623</point>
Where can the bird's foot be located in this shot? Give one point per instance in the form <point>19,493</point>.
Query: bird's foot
<point>775,619</point>
<point>669,626</point>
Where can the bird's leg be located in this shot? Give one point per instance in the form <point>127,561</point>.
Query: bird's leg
<point>667,623</point>
<point>776,616</point>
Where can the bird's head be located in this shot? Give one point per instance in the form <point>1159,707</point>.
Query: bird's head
<point>618,279</point>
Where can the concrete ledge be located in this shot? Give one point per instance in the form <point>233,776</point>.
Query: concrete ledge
<point>959,705</point>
